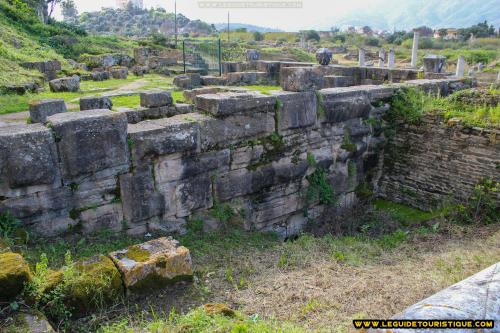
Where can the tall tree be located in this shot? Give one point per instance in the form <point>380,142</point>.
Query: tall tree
<point>69,11</point>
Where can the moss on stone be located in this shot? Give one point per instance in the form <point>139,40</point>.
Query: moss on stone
<point>95,283</point>
<point>136,253</point>
<point>4,246</point>
<point>32,322</point>
<point>214,309</point>
<point>14,273</point>
<point>154,281</point>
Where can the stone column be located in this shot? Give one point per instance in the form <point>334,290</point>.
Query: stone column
<point>498,77</point>
<point>381,58</point>
<point>460,67</point>
<point>414,50</point>
<point>391,62</point>
<point>361,56</point>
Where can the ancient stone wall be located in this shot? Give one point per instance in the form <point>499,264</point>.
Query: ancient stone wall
<point>432,163</point>
<point>256,155</point>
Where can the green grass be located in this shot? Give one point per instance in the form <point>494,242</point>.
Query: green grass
<point>405,215</point>
<point>266,90</point>
<point>17,103</point>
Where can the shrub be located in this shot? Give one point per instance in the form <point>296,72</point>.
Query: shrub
<point>258,36</point>
<point>372,41</point>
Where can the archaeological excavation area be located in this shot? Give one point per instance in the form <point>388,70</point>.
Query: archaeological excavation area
<point>312,151</point>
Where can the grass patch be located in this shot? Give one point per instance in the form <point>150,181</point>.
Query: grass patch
<point>132,101</point>
<point>266,90</point>
<point>405,215</point>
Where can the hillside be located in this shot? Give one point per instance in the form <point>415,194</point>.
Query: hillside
<point>137,22</point>
<point>24,38</point>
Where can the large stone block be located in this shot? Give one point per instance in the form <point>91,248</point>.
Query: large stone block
<point>246,78</point>
<point>341,104</point>
<point>304,78</point>
<point>295,109</point>
<point>163,136</point>
<point>152,99</point>
<point>95,103</point>
<point>187,81</point>
<point>41,109</point>
<point>140,200</point>
<point>209,80</point>
<point>120,73</point>
<point>227,103</point>
<point>333,81</point>
<point>193,194</point>
<point>14,273</point>
<point>71,84</point>
<point>153,264</point>
<point>28,159</point>
<point>90,142</point>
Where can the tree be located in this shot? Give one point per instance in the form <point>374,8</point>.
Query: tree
<point>240,30</point>
<point>367,30</point>
<point>312,35</point>
<point>69,11</point>
<point>424,31</point>
<point>258,36</point>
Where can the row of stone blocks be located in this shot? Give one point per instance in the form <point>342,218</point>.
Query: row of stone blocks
<point>102,279</point>
<point>92,169</point>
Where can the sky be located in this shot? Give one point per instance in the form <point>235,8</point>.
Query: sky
<point>314,13</point>
<point>324,14</point>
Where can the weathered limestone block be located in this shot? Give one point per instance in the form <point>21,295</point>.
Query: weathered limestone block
<point>304,78</point>
<point>341,104</point>
<point>434,63</point>
<point>216,133</point>
<point>272,68</point>
<point>190,95</point>
<point>95,103</point>
<point>295,110</point>
<point>176,167</point>
<point>14,273</point>
<point>163,136</point>
<point>193,194</point>
<point>48,68</point>
<point>100,75</point>
<point>246,78</point>
<point>241,182</point>
<point>158,62</point>
<point>153,264</point>
<point>333,81</point>
<point>91,141</point>
<point>140,70</point>
<point>140,201</point>
<point>119,73</point>
<point>108,217</point>
<point>224,104</point>
<point>377,74</point>
<point>71,84</point>
<point>97,281</point>
<point>29,322</point>
<point>188,80</point>
<point>28,160</point>
<point>41,109</point>
<point>209,80</point>
<point>476,297</point>
<point>152,99</point>
<point>245,156</point>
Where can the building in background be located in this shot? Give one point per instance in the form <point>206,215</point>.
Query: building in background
<point>124,3</point>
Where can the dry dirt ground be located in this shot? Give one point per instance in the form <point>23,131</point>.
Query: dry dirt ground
<point>323,283</point>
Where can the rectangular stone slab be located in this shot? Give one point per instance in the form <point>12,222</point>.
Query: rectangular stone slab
<point>90,141</point>
<point>227,103</point>
<point>40,110</point>
<point>153,264</point>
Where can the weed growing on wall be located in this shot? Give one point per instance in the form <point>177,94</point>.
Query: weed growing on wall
<point>319,188</point>
<point>8,226</point>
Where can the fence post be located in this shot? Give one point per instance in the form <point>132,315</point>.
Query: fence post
<point>184,55</point>
<point>220,59</point>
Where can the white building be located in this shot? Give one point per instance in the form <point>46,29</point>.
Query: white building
<point>123,3</point>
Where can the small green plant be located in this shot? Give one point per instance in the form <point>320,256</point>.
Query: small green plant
<point>222,212</point>
<point>347,143</point>
<point>319,188</point>
<point>482,206</point>
<point>8,226</point>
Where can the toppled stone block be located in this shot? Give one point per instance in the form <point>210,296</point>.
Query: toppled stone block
<point>162,136</point>
<point>153,264</point>
<point>91,141</point>
<point>70,84</point>
<point>341,104</point>
<point>22,88</point>
<point>29,322</point>
<point>95,103</point>
<point>209,80</point>
<point>120,73</point>
<point>152,99</point>
<point>28,158</point>
<point>48,68</point>
<point>227,103</point>
<point>96,282</point>
<point>188,80</point>
<point>14,273</point>
<point>295,110</point>
<point>190,95</point>
<point>41,109</point>
<point>140,70</point>
<point>140,201</point>
<point>100,75</point>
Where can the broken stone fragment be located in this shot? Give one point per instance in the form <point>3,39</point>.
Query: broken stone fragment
<point>14,273</point>
<point>41,109</point>
<point>94,103</point>
<point>71,84</point>
<point>153,264</point>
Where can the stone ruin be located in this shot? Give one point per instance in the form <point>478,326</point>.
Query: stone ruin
<point>155,167</point>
